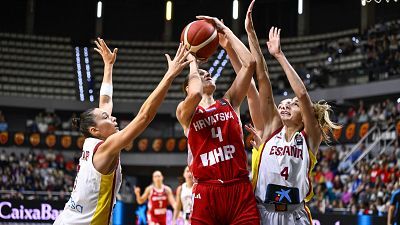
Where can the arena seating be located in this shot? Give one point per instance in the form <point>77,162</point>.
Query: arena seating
<point>36,66</point>
<point>41,66</point>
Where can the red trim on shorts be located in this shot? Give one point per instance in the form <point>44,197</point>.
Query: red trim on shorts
<point>309,164</point>
<point>308,213</point>
<point>112,197</point>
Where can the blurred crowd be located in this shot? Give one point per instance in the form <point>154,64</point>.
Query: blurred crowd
<point>382,50</point>
<point>366,189</point>
<point>3,122</point>
<point>382,113</point>
<point>49,122</point>
<point>22,176</point>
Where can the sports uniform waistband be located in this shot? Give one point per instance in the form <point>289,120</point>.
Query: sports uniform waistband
<point>220,182</point>
<point>280,207</point>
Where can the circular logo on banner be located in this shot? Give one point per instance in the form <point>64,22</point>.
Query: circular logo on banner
<point>34,139</point>
<point>19,138</point>
<point>66,141</point>
<point>3,137</point>
<point>170,144</point>
<point>350,131</point>
<point>337,133</point>
<point>79,142</point>
<point>363,129</point>
<point>182,145</point>
<point>143,144</point>
<point>51,140</point>
<point>248,140</point>
<point>157,144</point>
<point>398,128</point>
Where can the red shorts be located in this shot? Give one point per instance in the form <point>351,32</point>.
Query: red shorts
<point>156,220</point>
<point>222,204</point>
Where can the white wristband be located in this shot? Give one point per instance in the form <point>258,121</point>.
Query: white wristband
<point>106,89</point>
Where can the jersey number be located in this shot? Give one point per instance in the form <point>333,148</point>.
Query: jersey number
<point>285,173</point>
<point>217,134</point>
<point>160,202</point>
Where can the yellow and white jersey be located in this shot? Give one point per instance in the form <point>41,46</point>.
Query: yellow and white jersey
<point>281,166</point>
<point>94,194</point>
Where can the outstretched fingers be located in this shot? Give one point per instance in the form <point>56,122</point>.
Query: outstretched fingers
<point>271,33</point>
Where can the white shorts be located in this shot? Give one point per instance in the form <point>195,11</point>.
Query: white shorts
<point>58,220</point>
<point>298,214</point>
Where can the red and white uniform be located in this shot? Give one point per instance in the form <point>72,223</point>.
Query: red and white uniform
<point>218,162</point>
<point>157,206</point>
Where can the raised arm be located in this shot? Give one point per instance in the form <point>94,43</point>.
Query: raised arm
<point>119,140</point>
<point>187,107</point>
<point>240,85</point>
<point>311,125</point>
<point>140,199</point>
<point>106,89</point>
<point>252,94</point>
<point>269,113</point>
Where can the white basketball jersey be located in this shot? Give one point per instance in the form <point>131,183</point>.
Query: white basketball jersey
<point>186,198</point>
<point>94,194</point>
<point>284,163</point>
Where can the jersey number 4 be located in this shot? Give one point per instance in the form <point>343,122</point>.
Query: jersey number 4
<point>217,134</point>
<point>285,173</point>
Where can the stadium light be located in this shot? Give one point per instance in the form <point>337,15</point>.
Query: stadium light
<point>99,9</point>
<point>300,7</point>
<point>235,9</point>
<point>168,13</point>
<point>363,2</point>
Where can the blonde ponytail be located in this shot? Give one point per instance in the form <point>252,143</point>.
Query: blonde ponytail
<point>322,111</point>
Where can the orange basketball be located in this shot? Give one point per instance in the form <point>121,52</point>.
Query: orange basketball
<point>200,38</point>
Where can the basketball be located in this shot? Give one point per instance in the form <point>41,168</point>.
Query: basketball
<point>200,38</point>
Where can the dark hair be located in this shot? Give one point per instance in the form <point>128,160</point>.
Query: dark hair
<point>85,121</point>
<point>185,84</point>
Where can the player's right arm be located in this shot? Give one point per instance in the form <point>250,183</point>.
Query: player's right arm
<point>114,143</point>
<point>240,85</point>
<point>253,99</point>
<point>187,107</point>
<point>269,112</point>
<point>178,204</point>
<point>105,99</point>
<point>140,199</point>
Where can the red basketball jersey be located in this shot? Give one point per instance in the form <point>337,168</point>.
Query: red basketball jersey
<point>215,144</point>
<point>158,202</point>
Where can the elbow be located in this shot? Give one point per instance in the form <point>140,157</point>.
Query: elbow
<point>302,93</point>
<point>196,95</point>
<point>250,64</point>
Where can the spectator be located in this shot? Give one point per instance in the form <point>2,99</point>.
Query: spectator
<point>3,123</point>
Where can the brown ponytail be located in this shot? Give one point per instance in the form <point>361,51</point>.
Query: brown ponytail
<point>322,112</point>
<point>85,121</point>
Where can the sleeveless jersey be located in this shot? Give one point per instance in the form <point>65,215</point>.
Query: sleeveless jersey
<point>288,164</point>
<point>186,199</point>
<point>215,144</point>
<point>158,202</point>
<point>94,194</point>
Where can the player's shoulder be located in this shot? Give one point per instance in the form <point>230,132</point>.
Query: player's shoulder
<point>396,193</point>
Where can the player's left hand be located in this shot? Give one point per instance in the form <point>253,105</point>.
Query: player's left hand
<point>102,48</point>
<point>219,25</point>
<point>256,142</point>
<point>274,42</point>
<point>179,62</point>
<point>248,22</point>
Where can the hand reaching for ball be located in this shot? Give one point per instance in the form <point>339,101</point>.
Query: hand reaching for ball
<point>179,62</point>
<point>102,48</point>
<point>219,25</point>
<point>274,42</point>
